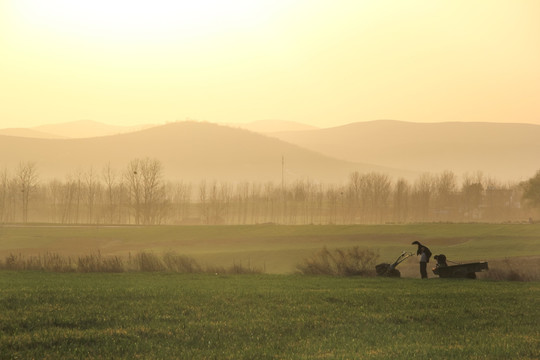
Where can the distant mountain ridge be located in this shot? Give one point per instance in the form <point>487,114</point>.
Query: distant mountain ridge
<point>194,150</point>
<point>189,151</point>
<point>87,128</point>
<point>29,133</point>
<point>503,150</point>
<point>270,126</point>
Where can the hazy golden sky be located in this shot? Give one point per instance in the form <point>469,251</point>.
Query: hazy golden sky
<point>323,63</point>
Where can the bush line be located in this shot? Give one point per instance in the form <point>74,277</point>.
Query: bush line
<point>140,262</point>
<point>338,262</point>
<point>349,262</point>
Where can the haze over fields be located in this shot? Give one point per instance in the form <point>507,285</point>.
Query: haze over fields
<point>194,151</point>
<point>188,151</point>
<point>462,78</point>
<point>505,151</point>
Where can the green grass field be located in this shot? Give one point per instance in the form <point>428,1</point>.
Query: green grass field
<point>171,316</point>
<point>278,249</point>
<point>274,316</point>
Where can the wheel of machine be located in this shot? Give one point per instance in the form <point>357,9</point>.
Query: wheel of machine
<point>385,269</point>
<point>382,269</point>
<point>394,273</point>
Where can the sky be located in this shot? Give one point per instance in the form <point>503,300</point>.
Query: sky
<point>318,62</point>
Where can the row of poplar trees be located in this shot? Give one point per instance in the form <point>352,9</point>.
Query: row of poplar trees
<point>139,194</point>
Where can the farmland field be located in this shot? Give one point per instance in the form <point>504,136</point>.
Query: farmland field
<point>277,315</point>
<point>279,249</point>
<point>164,316</point>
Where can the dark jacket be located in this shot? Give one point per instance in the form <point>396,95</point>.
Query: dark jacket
<point>419,250</point>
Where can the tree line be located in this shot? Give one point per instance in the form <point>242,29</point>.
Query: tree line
<point>139,194</point>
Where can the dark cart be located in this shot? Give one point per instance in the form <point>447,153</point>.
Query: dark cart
<point>458,271</point>
<point>389,270</point>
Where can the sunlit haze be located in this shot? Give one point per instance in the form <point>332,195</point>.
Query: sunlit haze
<point>322,63</point>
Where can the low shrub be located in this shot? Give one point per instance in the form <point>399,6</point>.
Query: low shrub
<point>146,262</point>
<point>46,262</point>
<point>140,262</point>
<point>98,263</point>
<point>339,262</point>
<point>513,270</point>
<point>235,269</point>
<point>180,263</point>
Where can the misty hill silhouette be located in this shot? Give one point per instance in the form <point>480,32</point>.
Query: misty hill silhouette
<point>86,128</point>
<point>24,132</point>
<point>90,128</point>
<point>502,150</point>
<point>189,151</point>
<point>269,126</point>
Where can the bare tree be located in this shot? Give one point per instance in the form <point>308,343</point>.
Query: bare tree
<point>4,187</point>
<point>332,197</point>
<point>226,195</point>
<point>445,194</point>
<point>146,188</point>
<point>54,191</point>
<point>502,201</point>
<point>380,192</point>
<point>110,179</point>
<point>271,197</point>
<point>218,202</point>
<point>203,203</point>
<point>472,191</point>
<point>70,191</point>
<point>242,192</point>
<point>422,197</point>
<point>78,187</point>
<point>27,178</point>
<point>153,191</point>
<point>368,195</point>
<point>92,189</point>
<point>401,200</point>
<point>356,204</point>
<point>181,199</point>
<point>134,183</point>
<point>255,196</point>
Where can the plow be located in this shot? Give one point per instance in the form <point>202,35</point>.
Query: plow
<point>389,270</point>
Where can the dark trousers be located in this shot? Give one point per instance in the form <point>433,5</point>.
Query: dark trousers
<point>423,270</point>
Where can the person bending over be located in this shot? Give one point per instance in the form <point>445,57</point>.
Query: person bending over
<point>425,254</point>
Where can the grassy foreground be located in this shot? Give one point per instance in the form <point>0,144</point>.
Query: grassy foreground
<point>163,316</point>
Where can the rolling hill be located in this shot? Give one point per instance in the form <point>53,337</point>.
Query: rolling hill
<point>270,126</point>
<point>87,128</point>
<point>189,151</point>
<point>24,132</point>
<point>505,151</point>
